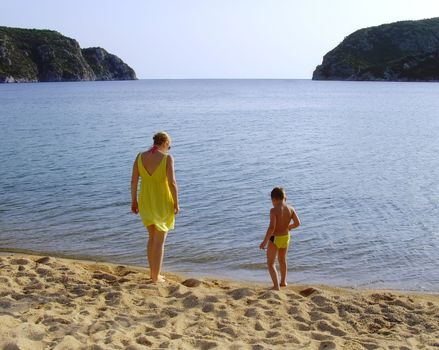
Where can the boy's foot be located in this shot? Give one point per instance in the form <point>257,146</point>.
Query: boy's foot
<point>284,284</point>
<point>274,288</point>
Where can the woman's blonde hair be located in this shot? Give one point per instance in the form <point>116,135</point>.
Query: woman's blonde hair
<point>161,137</point>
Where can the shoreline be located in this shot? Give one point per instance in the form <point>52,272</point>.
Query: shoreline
<point>209,276</point>
<point>50,302</point>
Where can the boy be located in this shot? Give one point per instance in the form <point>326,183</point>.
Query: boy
<point>278,235</point>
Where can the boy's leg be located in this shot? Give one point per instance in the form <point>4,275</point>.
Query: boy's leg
<point>282,257</point>
<point>271,259</point>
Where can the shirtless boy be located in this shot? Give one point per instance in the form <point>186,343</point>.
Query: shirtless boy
<point>278,236</point>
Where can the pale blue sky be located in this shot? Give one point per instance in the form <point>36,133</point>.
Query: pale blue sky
<point>213,38</point>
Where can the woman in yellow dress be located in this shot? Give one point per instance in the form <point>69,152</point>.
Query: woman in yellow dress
<point>157,202</point>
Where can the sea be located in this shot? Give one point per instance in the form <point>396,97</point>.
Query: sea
<point>359,162</point>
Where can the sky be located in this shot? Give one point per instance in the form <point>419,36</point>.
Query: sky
<point>270,39</point>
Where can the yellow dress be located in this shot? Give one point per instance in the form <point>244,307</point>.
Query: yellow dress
<point>156,206</point>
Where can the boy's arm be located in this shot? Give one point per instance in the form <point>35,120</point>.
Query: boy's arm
<point>295,218</point>
<point>270,229</point>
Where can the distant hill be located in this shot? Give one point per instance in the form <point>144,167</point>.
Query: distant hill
<point>32,55</point>
<point>400,51</point>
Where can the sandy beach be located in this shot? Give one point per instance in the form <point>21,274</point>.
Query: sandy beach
<point>54,303</point>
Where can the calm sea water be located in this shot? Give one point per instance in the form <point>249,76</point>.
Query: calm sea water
<point>359,162</point>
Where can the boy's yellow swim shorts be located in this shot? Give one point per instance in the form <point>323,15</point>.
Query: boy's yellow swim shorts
<point>281,241</point>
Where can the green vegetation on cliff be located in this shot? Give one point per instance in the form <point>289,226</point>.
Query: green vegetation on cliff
<point>400,51</point>
<point>31,55</point>
<point>107,66</point>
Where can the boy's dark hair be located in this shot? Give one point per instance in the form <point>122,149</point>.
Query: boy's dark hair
<point>278,193</point>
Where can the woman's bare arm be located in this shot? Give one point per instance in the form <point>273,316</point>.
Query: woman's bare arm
<point>270,229</point>
<point>172,182</point>
<point>295,218</point>
<point>134,185</point>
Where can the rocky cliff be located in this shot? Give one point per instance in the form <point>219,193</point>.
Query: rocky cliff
<point>400,51</point>
<point>31,55</point>
<point>107,66</point>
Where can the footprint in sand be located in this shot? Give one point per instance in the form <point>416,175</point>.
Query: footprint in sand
<point>171,312</point>
<point>20,261</point>
<point>257,347</point>
<point>94,347</point>
<point>5,304</point>
<point>142,340</point>
<point>178,291</point>
<point>241,293</point>
<point>160,323</point>
<point>307,292</point>
<point>252,312</point>
<point>327,309</point>
<point>326,327</point>
<point>320,300</point>
<point>321,336</point>
<point>272,334</point>
<point>327,345</point>
<point>371,346</point>
<point>49,320</point>
<point>209,307</point>
<point>259,326</point>
<point>104,276</point>
<point>43,272</point>
<point>191,301</point>
<point>302,327</point>
<point>211,299</point>
<point>98,327</point>
<point>112,298</point>
<point>206,344</point>
<point>270,313</point>
<point>227,330</point>
<point>11,346</point>
<point>123,321</point>
<point>270,295</point>
<point>175,336</point>
<point>222,314</point>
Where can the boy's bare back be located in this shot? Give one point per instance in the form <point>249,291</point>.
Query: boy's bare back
<point>283,214</point>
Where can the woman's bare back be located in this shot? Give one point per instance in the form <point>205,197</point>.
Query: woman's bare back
<point>151,161</point>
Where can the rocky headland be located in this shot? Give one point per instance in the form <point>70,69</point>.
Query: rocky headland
<point>32,55</point>
<point>400,51</point>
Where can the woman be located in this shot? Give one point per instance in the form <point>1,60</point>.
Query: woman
<point>158,199</point>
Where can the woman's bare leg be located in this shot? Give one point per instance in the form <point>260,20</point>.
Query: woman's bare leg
<point>271,259</point>
<point>282,257</point>
<point>151,237</point>
<point>157,252</point>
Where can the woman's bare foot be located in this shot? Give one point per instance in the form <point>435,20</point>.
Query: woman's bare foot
<point>274,288</point>
<point>284,284</point>
<point>160,279</point>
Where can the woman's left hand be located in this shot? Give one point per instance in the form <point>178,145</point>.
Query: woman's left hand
<point>134,207</point>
